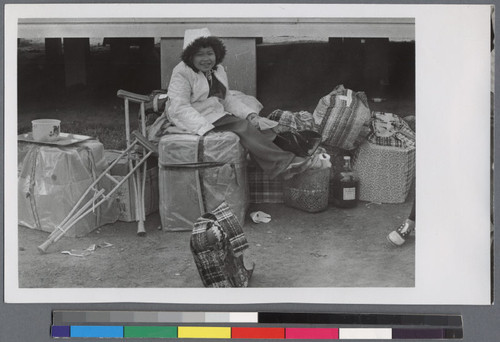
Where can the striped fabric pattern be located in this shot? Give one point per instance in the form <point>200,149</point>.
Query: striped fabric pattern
<point>343,118</point>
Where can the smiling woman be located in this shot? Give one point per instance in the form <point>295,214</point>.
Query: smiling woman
<point>204,59</point>
<point>202,102</point>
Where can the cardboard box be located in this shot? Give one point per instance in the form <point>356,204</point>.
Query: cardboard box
<point>125,196</point>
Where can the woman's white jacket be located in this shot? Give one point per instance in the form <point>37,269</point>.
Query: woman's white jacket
<point>190,107</point>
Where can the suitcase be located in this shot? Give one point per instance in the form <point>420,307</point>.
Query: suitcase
<point>197,174</point>
<point>51,179</point>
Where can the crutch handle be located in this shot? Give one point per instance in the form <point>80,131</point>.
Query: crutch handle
<point>141,139</point>
<point>137,98</point>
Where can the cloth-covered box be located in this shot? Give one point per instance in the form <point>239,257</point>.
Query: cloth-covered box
<point>386,173</point>
<point>125,195</point>
<point>197,174</point>
<point>51,180</point>
<point>262,188</point>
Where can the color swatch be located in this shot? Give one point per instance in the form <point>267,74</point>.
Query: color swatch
<point>253,325</point>
<point>254,332</point>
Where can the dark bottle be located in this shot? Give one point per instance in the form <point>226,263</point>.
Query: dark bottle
<point>345,186</point>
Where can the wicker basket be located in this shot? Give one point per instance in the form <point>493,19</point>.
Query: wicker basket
<point>308,191</point>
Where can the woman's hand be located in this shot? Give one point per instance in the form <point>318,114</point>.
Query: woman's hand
<point>254,119</point>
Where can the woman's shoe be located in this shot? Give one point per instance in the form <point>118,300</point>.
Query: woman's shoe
<point>398,237</point>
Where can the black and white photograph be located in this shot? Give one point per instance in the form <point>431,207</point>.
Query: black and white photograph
<point>270,153</point>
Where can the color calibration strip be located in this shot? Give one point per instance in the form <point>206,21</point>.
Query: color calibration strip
<point>64,317</point>
<point>174,324</point>
<point>88,331</point>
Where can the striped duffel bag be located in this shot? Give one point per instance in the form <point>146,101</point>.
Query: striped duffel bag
<point>343,118</point>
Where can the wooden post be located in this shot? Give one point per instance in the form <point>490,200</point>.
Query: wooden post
<point>76,56</point>
<point>54,61</point>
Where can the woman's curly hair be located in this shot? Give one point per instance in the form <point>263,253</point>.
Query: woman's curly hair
<point>203,42</point>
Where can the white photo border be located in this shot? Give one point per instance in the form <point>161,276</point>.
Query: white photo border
<point>453,143</point>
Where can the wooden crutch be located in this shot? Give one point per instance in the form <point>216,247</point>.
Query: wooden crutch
<point>139,178</point>
<point>79,211</point>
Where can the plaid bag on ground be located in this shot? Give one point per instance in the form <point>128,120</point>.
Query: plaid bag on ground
<point>217,244</point>
<point>342,117</point>
<point>388,129</point>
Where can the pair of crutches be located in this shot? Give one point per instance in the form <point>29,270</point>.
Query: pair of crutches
<point>99,196</point>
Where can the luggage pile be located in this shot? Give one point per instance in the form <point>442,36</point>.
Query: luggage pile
<point>381,145</point>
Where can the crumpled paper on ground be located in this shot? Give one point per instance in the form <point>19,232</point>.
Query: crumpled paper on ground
<point>86,252</point>
<point>260,217</point>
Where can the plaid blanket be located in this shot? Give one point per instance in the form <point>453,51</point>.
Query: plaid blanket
<point>262,188</point>
<point>220,263</point>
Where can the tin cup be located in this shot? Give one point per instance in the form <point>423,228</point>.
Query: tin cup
<point>46,129</point>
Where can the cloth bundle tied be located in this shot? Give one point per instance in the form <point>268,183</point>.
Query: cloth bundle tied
<point>388,129</point>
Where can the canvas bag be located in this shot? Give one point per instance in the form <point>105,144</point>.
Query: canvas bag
<point>390,130</point>
<point>219,258</point>
<point>342,117</point>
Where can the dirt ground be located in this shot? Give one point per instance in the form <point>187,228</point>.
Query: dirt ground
<point>334,248</point>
